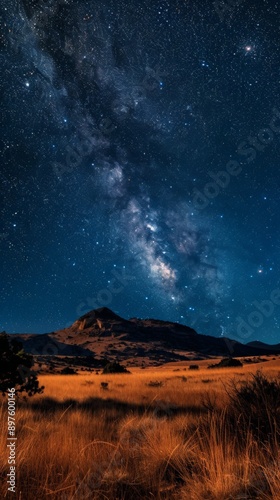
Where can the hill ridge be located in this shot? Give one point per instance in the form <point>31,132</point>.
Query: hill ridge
<point>106,335</point>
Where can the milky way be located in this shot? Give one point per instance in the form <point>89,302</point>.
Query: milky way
<point>126,140</point>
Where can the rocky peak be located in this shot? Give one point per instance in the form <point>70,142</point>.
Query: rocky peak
<point>97,318</point>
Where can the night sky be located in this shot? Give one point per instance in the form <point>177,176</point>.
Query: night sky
<point>140,163</point>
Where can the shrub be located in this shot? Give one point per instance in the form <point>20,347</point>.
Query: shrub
<point>68,371</point>
<point>16,368</point>
<point>255,405</point>
<point>193,367</point>
<point>114,367</point>
<point>227,363</point>
<point>88,382</point>
<point>154,383</point>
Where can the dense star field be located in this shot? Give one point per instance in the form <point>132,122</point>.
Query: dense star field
<point>140,163</point>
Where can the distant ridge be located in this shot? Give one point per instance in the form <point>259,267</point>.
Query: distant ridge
<point>263,345</point>
<point>106,335</point>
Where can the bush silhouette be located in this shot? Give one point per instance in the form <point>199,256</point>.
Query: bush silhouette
<point>114,367</point>
<point>67,370</point>
<point>104,385</point>
<point>16,368</point>
<point>227,363</point>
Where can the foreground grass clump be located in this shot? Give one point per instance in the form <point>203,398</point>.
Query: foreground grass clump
<point>254,405</point>
<point>140,441</point>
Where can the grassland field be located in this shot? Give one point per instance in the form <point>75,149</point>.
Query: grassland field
<point>157,433</point>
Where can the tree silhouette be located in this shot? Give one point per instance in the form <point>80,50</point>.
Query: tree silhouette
<point>16,368</point>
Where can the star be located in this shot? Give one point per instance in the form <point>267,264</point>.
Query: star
<point>128,156</point>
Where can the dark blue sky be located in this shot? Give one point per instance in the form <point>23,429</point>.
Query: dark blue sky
<point>140,164</point>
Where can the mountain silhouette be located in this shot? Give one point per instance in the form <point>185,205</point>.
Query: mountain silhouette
<point>106,335</point>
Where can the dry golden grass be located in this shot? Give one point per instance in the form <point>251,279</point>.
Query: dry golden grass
<point>137,441</point>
